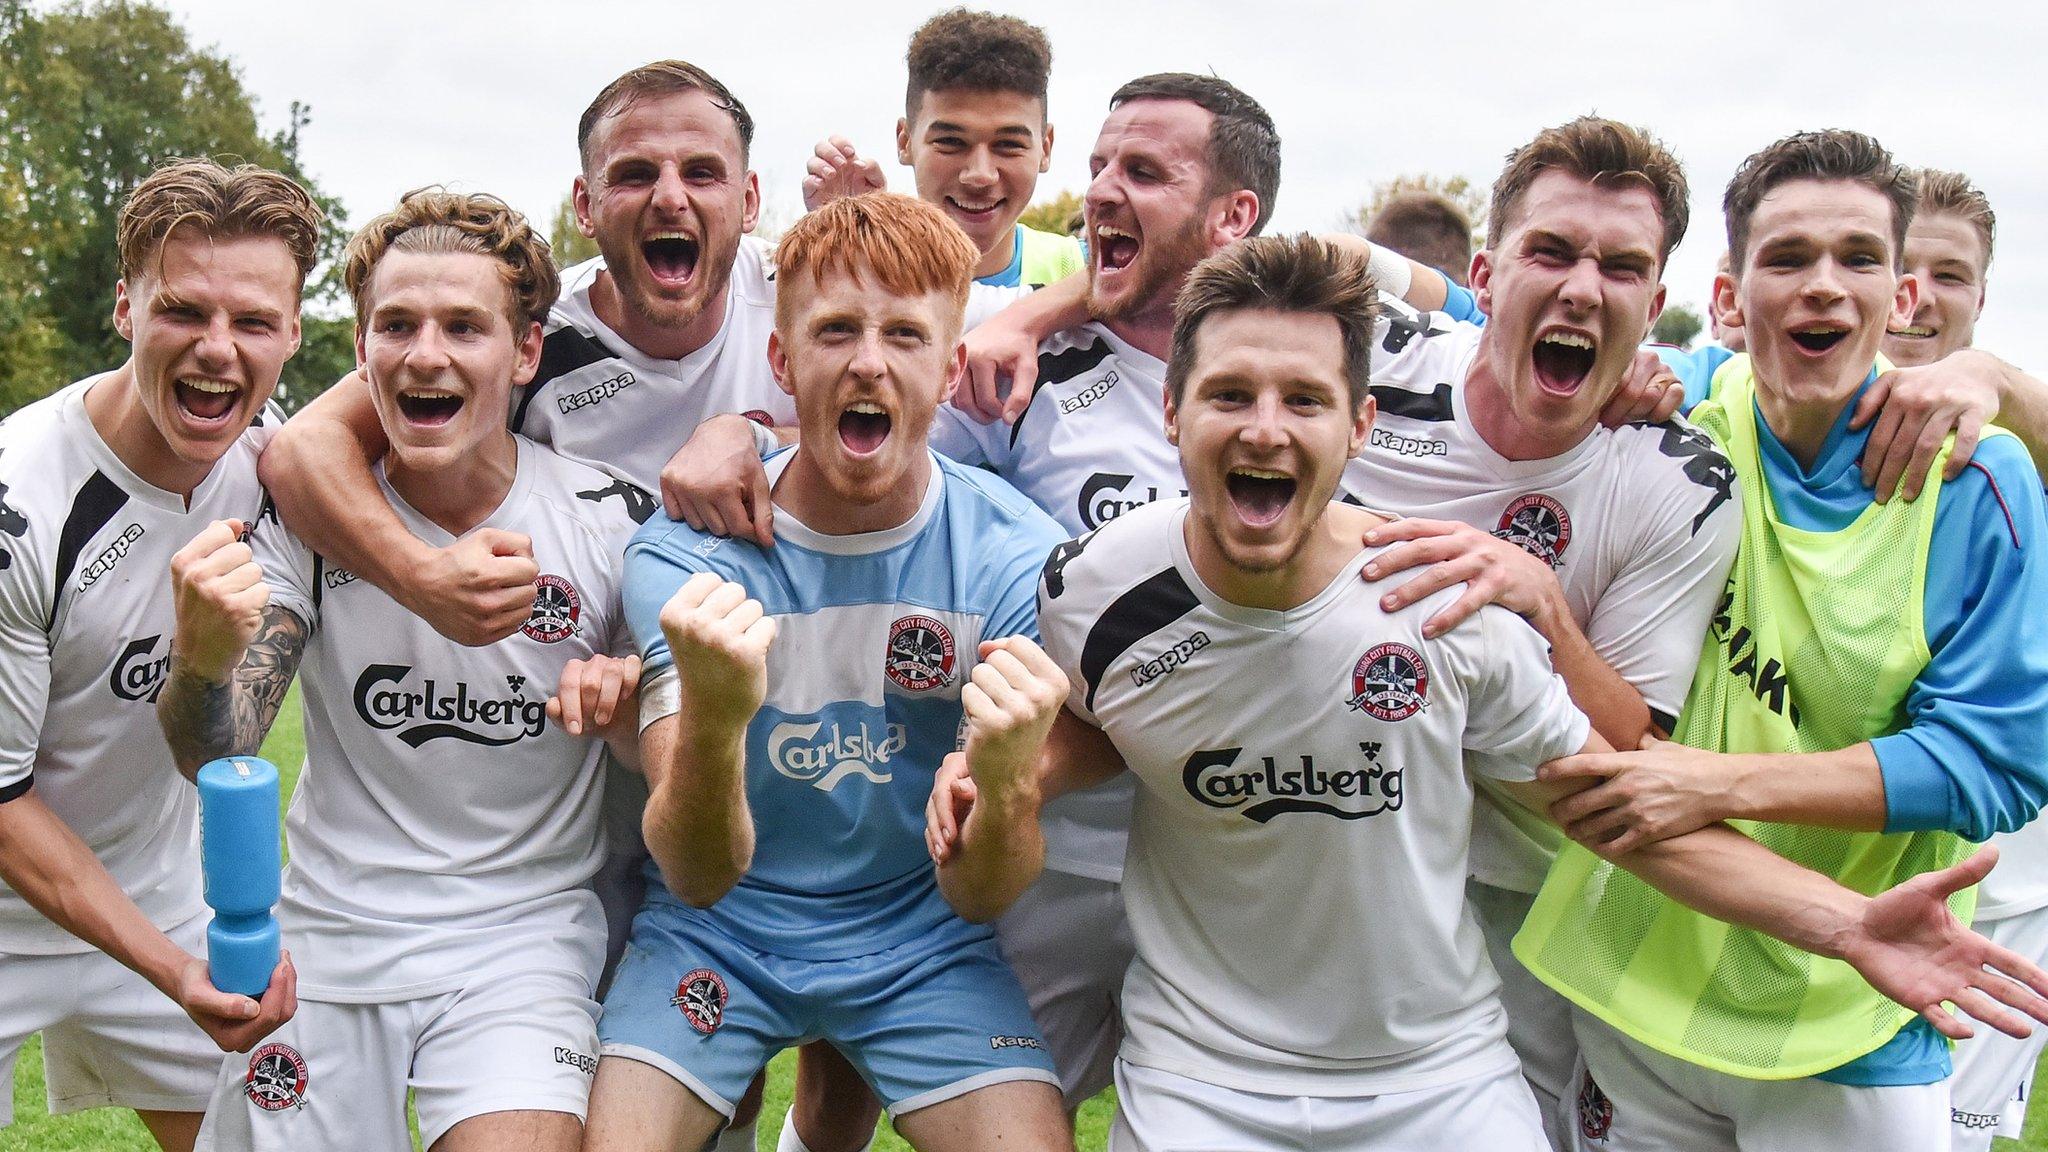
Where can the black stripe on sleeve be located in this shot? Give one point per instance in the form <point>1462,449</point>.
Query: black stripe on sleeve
<point>1138,613</point>
<point>561,352</point>
<point>18,789</point>
<point>1435,407</point>
<point>1060,367</point>
<point>1664,721</point>
<point>96,503</point>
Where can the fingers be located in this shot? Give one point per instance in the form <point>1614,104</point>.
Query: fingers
<point>1871,403</point>
<point>1982,1008</point>
<point>1590,765</point>
<point>760,505</point>
<point>210,540</point>
<point>1964,872</point>
<point>1925,447</point>
<point>1945,1023</point>
<point>1478,594</point>
<point>1410,528</point>
<point>1669,400</point>
<point>1023,380</point>
<point>1885,438</point>
<point>1967,433</point>
<point>502,543</point>
<point>984,400</point>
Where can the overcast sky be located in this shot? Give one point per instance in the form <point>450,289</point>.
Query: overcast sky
<point>485,96</point>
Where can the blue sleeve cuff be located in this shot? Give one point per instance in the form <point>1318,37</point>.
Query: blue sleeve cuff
<point>1922,796</point>
<point>1461,304</point>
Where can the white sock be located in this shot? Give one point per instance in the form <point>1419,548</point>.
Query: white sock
<point>791,1142</point>
<point>736,1139</point>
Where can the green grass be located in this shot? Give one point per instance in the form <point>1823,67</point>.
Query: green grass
<point>117,1130</point>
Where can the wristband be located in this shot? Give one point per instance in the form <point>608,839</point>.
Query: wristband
<point>765,442</point>
<point>1390,271</point>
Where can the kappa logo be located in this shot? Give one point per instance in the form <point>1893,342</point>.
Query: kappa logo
<point>1702,463</point>
<point>1264,790</point>
<point>1538,525</point>
<point>795,751</point>
<point>436,713</point>
<point>109,556</point>
<point>1390,682</point>
<point>139,672</point>
<point>581,1061</point>
<point>1167,662</point>
<point>1407,445</point>
<point>1056,564</point>
<point>998,1043</point>
<point>596,393</point>
<point>556,608</point>
<point>1108,495</point>
<point>1596,1111</point>
<point>1090,394</point>
<point>12,523</point>
<point>920,655</point>
<point>639,504</point>
<point>701,996</point>
<point>336,577</point>
<point>277,1078</point>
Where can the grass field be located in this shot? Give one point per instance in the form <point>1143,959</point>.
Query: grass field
<point>116,1130</point>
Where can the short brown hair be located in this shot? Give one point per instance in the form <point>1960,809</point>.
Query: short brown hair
<point>1244,147</point>
<point>432,220</point>
<point>223,203</point>
<point>907,244</point>
<point>1952,194</point>
<point>1598,151</point>
<point>1303,273</point>
<point>661,78</point>
<point>1836,154</point>
<point>1427,227</point>
<point>977,52</point>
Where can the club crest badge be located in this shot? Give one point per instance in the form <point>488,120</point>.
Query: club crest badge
<point>700,996</point>
<point>1596,1111</point>
<point>1538,525</point>
<point>1390,682</point>
<point>277,1078</point>
<point>556,608</point>
<point>920,655</point>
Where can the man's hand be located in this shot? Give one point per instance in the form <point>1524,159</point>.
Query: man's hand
<point>1641,797</point>
<point>1649,395</point>
<point>218,594</point>
<point>835,170</point>
<point>716,483</point>
<point>1010,700</point>
<point>1915,409</point>
<point>598,694</point>
<point>946,809</point>
<point>997,351</point>
<point>1493,571</point>
<point>235,1022</point>
<point>1910,947</point>
<point>719,638</point>
<point>478,590</point>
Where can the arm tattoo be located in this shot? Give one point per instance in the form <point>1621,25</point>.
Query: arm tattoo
<point>203,720</point>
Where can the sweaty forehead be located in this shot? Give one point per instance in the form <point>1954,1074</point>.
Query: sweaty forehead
<point>672,124</point>
<point>1613,216</point>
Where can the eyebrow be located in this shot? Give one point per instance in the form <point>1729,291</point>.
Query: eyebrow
<point>950,126</point>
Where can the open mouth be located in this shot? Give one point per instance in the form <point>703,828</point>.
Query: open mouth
<point>1916,333</point>
<point>1260,496</point>
<point>671,256</point>
<point>1115,248</point>
<point>428,407</point>
<point>1819,339</point>
<point>863,427</point>
<point>973,211</point>
<point>1563,360</point>
<point>204,399</point>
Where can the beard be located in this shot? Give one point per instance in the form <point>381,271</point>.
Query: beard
<point>1156,275</point>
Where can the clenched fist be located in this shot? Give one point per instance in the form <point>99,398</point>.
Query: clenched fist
<point>218,593</point>
<point>719,638</point>
<point>1011,700</point>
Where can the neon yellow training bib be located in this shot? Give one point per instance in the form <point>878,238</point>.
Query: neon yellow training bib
<point>1817,641</point>
<point>1047,258</point>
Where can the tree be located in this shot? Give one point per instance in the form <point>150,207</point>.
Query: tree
<point>1060,215</point>
<point>1677,326</point>
<point>92,97</point>
<point>570,245</point>
<point>1458,189</point>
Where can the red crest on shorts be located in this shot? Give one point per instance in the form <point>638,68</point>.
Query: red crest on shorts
<point>1390,682</point>
<point>920,654</point>
<point>277,1078</point>
<point>1538,525</point>
<point>556,608</point>
<point>1596,1111</point>
<point>759,416</point>
<point>701,996</point>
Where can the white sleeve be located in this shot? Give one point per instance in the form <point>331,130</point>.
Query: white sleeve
<point>1649,622</point>
<point>24,666</point>
<point>985,300</point>
<point>1065,613</point>
<point>964,440</point>
<point>1518,712</point>
<point>288,568</point>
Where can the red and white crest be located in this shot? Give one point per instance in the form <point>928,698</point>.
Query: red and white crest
<point>556,608</point>
<point>1538,525</point>
<point>701,996</point>
<point>277,1078</point>
<point>920,655</point>
<point>1390,682</point>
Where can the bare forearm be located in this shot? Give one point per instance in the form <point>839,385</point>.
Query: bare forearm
<point>1726,875</point>
<point>1614,705</point>
<point>1056,307</point>
<point>205,717</point>
<point>2023,410</point>
<point>52,869</point>
<point>1001,852</point>
<point>698,826</point>
<point>1843,789</point>
<point>317,468</point>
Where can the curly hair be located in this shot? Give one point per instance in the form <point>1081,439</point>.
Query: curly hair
<point>977,52</point>
<point>434,220</point>
<point>222,203</point>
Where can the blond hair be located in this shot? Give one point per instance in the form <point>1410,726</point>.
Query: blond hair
<point>222,203</point>
<point>433,220</point>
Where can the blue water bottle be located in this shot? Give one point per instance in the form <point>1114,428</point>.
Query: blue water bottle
<point>241,853</point>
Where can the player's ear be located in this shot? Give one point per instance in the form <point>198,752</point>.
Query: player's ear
<point>752,214</point>
<point>1173,418</point>
<point>778,362</point>
<point>1239,215</point>
<point>1727,303</point>
<point>1361,423</point>
<point>1480,279</point>
<point>1905,301</point>
<point>1045,152</point>
<point>902,140</point>
<point>579,197</point>
<point>124,320</point>
<point>529,355</point>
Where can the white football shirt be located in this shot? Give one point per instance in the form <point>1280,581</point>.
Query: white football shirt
<point>1296,878</point>
<point>1638,522</point>
<point>440,814</point>
<point>85,640</point>
<point>1091,447</point>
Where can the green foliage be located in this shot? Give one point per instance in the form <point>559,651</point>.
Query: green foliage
<point>92,97</point>
<point>1678,326</point>
<point>570,245</point>
<point>1060,215</point>
<point>1459,190</point>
